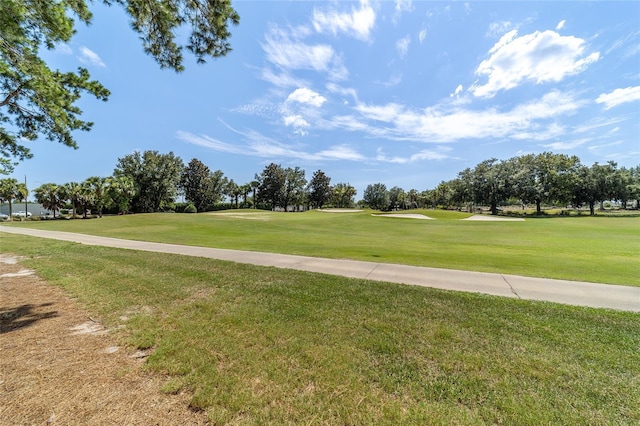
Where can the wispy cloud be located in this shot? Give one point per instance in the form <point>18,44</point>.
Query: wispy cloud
<point>288,53</point>
<point>402,46</point>
<point>357,23</point>
<point>402,6</point>
<point>258,145</point>
<point>64,49</point>
<point>422,35</point>
<point>619,96</point>
<point>457,91</point>
<point>566,145</point>
<point>394,80</point>
<point>451,123</point>
<point>538,57</point>
<point>438,153</point>
<point>499,28</point>
<point>560,25</point>
<point>209,142</point>
<point>89,57</point>
<point>281,79</point>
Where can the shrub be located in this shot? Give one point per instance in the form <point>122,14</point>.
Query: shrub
<point>190,208</point>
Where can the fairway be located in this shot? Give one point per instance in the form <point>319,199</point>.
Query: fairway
<point>592,249</point>
<point>256,345</point>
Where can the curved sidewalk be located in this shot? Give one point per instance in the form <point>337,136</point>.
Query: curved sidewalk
<point>559,291</point>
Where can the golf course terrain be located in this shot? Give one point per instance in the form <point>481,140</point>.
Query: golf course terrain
<point>258,345</point>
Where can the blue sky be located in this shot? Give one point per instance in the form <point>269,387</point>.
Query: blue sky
<point>407,93</point>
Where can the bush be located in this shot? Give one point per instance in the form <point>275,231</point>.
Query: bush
<point>190,208</point>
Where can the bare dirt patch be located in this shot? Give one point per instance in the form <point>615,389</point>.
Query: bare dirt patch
<point>58,365</point>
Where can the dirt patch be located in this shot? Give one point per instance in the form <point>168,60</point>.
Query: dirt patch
<point>58,365</point>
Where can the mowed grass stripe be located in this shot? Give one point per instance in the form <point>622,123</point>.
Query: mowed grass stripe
<point>261,345</point>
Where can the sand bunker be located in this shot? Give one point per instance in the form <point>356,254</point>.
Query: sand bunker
<point>405,216</point>
<point>495,218</point>
<point>242,215</point>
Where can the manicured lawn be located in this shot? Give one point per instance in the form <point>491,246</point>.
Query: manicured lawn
<point>598,249</point>
<point>269,346</point>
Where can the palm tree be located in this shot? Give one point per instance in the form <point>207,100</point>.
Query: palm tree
<point>254,184</point>
<point>87,198</point>
<point>233,192</point>
<point>72,192</point>
<point>50,196</point>
<point>98,185</point>
<point>245,189</point>
<point>11,190</point>
<point>121,191</point>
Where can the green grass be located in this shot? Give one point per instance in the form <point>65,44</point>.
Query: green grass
<point>595,249</point>
<point>261,345</point>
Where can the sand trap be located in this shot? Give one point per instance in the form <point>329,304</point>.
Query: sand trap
<point>258,215</point>
<point>495,218</point>
<point>339,210</point>
<point>405,216</point>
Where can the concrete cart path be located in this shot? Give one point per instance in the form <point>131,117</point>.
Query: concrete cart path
<point>560,291</point>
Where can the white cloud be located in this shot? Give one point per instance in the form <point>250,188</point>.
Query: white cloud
<point>541,133</point>
<point>619,96</point>
<point>383,158</point>
<point>259,107</point>
<point>306,96</point>
<point>290,54</point>
<point>89,57</point>
<point>344,91</point>
<point>499,28</point>
<point>560,25</point>
<point>263,147</point>
<point>449,123</point>
<point>64,49</point>
<point>341,152</point>
<point>282,79</point>
<point>539,57</point>
<point>563,146</point>
<point>295,121</point>
<point>457,91</point>
<point>208,142</point>
<point>386,113</point>
<point>394,80</point>
<point>439,153</point>
<point>358,23</point>
<point>422,35</point>
<point>402,46</point>
<point>404,6</point>
<point>429,154</point>
<point>606,145</point>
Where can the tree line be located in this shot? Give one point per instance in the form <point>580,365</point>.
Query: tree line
<point>150,181</point>
<point>536,179</point>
